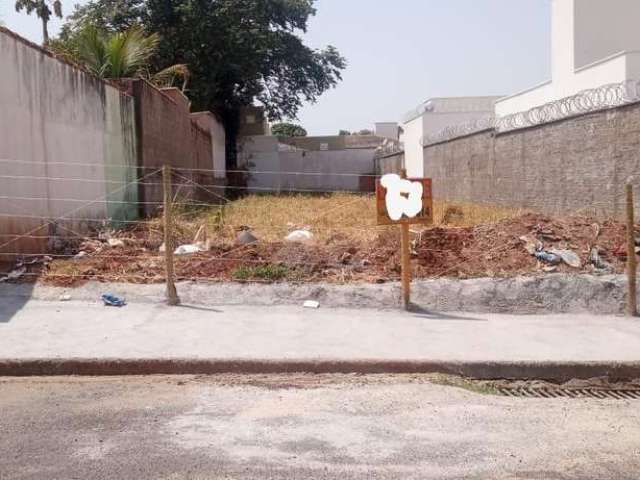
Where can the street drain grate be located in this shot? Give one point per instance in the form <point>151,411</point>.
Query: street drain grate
<point>532,392</point>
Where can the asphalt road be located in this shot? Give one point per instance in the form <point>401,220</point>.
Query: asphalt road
<point>304,427</point>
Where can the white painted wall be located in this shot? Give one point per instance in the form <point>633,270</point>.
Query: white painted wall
<point>413,151</point>
<point>438,114</point>
<point>594,43</point>
<point>326,170</point>
<point>604,28</point>
<point>66,139</point>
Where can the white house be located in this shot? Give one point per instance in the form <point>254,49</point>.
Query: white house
<point>594,43</point>
<point>434,115</point>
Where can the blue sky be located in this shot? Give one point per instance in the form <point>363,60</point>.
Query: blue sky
<point>404,51</point>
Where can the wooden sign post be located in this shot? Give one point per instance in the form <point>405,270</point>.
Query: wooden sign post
<point>392,209</point>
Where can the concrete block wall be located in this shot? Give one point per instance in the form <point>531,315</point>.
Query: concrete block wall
<point>577,165</point>
<point>347,169</point>
<point>67,148</point>
<point>389,163</point>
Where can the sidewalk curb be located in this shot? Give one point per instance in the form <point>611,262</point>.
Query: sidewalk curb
<point>550,371</point>
<point>551,293</point>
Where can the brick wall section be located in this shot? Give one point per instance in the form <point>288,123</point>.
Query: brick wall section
<point>168,135</point>
<point>579,164</point>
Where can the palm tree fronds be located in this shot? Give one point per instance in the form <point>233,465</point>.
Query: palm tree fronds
<point>166,77</point>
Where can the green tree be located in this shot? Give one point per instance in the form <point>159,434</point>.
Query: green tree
<point>343,133</point>
<point>238,52</point>
<point>288,130</point>
<point>43,9</point>
<point>110,16</point>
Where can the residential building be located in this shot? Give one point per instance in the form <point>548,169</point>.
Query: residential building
<point>594,43</point>
<point>309,164</point>
<point>435,115</point>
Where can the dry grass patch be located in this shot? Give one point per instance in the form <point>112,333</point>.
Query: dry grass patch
<point>332,216</point>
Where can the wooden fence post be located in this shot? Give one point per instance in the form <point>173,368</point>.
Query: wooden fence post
<point>169,246</point>
<point>632,308</point>
<point>405,256</point>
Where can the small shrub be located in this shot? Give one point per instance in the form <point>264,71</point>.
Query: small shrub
<point>271,273</point>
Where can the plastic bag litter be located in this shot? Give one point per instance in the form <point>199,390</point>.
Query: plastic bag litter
<point>188,249</point>
<point>299,236</point>
<point>569,257</point>
<point>548,257</point>
<point>113,301</point>
<point>115,242</point>
<point>311,304</point>
<point>14,274</point>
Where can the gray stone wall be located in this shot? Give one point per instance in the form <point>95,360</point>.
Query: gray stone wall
<point>577,165</point>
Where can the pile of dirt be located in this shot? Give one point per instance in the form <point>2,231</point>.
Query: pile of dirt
<point>495,250</point>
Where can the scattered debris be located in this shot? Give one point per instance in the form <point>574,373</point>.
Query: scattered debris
<point>299,236</point>
<point>569,257</point>
<point>80,255</point>
<point>189,249</point>
<point>599,264</point>
<point>311,304</point>
<point>531,245</point>
<point>548,257</point>
<point>14,274</point>
<point>487,249</point>
<point>115,242</point>
<point>245,237</point>
<point>113,301</point>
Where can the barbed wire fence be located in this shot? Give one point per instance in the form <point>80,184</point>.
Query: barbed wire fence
<point>587,101</point>
<point>79,241</point>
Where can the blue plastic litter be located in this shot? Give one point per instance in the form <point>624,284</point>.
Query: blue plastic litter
<point>113,301</point>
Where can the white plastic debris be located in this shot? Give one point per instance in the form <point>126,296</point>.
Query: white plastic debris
<point>188,249</point>
<point>569,257</point>
<point>65,297</point>
<point>299,236</point>
<point>115,242</point>
<point>311,304</point>
<point>14,274</point>
<point>80,255</point>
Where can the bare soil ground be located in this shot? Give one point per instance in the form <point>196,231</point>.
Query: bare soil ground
<point>466,241</point>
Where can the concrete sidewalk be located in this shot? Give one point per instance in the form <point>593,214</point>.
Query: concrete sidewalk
<point>39,337</point>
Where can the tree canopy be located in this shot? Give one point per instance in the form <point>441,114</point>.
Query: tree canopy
<point>288,130</point>
<point>238,51</point>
